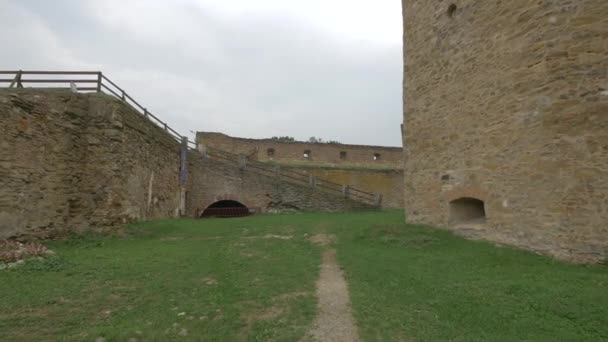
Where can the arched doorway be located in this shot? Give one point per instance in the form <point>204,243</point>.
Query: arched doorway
<point>467,210</point>
<point>225,208</point>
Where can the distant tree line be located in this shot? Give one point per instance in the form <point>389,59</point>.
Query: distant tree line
<point>316,140</point>
<point>313,140</point>
<point>284,139</point>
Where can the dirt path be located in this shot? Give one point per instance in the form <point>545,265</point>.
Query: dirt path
<point>334,320</point>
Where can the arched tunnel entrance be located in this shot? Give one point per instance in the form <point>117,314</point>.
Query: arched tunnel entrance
<point>225,208</point>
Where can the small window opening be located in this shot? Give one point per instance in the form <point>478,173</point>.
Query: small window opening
<point>307,154</point>
<point>342,154</point>
<point>451,9</point>
<point>467,211</point>
<point>270,152</point>
<point>376,156</point>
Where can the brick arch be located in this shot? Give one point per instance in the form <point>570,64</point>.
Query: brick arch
<point>466,192</point>
<point>463,192</point>
<point>222,197</point>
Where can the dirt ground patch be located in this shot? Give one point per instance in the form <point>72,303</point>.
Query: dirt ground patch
<point>270,236</point>
<point>281,237</point>
<point>209,281</point>
<point>279,308</point>
<point>322,239</point>
<point>264,314</point>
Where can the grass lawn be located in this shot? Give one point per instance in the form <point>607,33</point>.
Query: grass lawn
<point>253,279</point>
<point>216,278</point>
<point>415,283</point>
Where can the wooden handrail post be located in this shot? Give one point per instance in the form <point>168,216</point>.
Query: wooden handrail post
<point>378,200</point>
<point>242,162</point>
<point>312,181</point>
<point>146,112</point>
<point>99,75</point>
<point>345,190</point>
<point>17,80</point>
<point>14,80</point>
<point>183,157</point>
<point>183,172</point>
<point>122,95</point>
<point>166,128</point>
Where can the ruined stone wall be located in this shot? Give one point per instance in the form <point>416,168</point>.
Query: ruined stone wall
<point>507,102</point>
<point>75,161</point>
<point>72,162</point>
<point>215,181</point>
<point>293,152</point>
<point>389,183</point>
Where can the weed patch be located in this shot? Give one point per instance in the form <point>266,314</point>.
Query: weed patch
<point>12,251</point>
<point>51,264</point>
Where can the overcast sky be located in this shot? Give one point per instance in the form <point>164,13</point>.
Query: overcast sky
<point>324,68</point>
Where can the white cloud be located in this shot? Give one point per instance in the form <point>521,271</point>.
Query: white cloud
<point>27,40</point>
<point>299,68</point>
<point>378,21</point>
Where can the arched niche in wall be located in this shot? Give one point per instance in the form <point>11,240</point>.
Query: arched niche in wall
<point>467,210</point>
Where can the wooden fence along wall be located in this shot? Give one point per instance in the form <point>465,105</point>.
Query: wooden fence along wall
<point>96,81</point>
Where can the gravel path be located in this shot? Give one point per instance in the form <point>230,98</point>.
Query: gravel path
<point>334,320</point>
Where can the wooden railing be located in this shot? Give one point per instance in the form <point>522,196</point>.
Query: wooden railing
<point>82,81</point>
<point>85,81</point>
<point>96,81</point>
<point>292,176</point>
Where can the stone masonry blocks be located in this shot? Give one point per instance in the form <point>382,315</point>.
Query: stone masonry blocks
<point>507,102</point>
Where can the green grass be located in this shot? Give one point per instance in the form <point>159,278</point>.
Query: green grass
<point>229,284</point>
<point>406,283</point>
<point>414,283</point>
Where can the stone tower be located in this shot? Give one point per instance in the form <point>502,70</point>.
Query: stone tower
<point>506,121</point>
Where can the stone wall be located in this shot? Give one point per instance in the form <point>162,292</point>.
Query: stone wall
<point>507,102</point>
<point>293,152</point>
<point>216,181</point>
<point>358,169</point>
<point>74,161</point>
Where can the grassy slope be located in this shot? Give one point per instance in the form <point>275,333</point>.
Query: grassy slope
<point>406,283</point>
<point>414,283</point>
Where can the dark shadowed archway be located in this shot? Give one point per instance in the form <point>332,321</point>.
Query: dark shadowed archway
<point>226,208</point>
<point>467,210</point>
